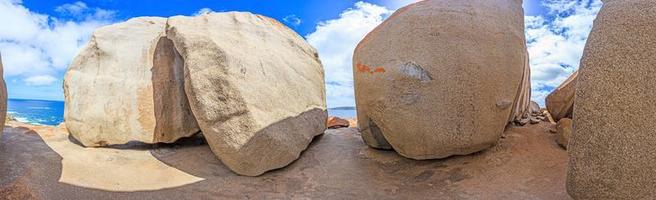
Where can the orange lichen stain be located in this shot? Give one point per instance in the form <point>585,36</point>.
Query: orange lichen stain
<point>362,68</point>
<point>366,69</point>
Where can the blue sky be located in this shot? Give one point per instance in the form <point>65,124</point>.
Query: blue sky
<point>44,36</point>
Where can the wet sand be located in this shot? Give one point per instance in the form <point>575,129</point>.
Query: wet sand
<point>526,164</point>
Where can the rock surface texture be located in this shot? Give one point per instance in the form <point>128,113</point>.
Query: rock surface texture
<point>612,154</point>
<point>336,122</point>
<point>564,131</point>
<point>252,85</point>
<point>255,86</point>
<point>125,87</point>
<point>560,102</point>
<point>3,98</point>
<point>525,164</point>
<point>429,86</point>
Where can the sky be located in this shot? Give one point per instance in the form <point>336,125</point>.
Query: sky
<point>40,38</point>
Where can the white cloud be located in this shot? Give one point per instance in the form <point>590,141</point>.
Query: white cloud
<point>203,11</point>
<point>38,47</point>
<point>76,8</point>
<point>292,20</point>
<point>40,80</point>
<point>336,39</point>
<point>556,42</point>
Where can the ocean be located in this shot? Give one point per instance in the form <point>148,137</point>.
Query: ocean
<point>38,112</point>
<point>41,112</point>
<point>343,112</point>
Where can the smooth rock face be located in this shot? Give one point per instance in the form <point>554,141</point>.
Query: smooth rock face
<point>255,86</point>
<point>564,131</point>
<point>612,149</point>
<point>560,102</point>
<point>127,85</point>
<point>3,98</point>
<point>430,86</point>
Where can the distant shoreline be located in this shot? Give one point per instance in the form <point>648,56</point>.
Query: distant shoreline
<point>17,99</point>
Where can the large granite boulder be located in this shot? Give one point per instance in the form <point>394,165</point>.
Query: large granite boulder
<point>255,86</point>
<point>127,85</point>
<point>612,149</point>
<point>560,102</point>
<point>3,98</point>
<point>441,77</point>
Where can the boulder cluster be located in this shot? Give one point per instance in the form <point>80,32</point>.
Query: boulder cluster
<point>443,77</point>
<point>252,86</point>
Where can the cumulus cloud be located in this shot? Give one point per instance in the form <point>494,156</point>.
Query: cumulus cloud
<point>336,39</point>
<point>37,47</point>
<point>556,42</point>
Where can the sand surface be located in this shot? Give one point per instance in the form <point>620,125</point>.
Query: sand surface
<point>526,164</point>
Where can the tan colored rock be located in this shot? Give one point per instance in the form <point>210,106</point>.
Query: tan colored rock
<point>522,104</point>
<point>432,86</point>
<point>353,123</point>
<point>127,85</point>
<point>560,102</point>
<point>255,86</point>
<point>612,151</point>
<point>3,98</point>
<point>336,122</point>
<point>564,131</point>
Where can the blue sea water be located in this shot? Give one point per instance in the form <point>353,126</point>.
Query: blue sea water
<point>39,112</point>
<point>345,113</point>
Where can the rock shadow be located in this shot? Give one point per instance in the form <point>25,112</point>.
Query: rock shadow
<point>172,110</point>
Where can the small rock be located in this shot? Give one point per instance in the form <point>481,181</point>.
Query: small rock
<point>336,122</point>
<point>535,120</point>
<point>563,132</point>
<point>523,121</point>
<point>353,123</point>
<point>553,128</point>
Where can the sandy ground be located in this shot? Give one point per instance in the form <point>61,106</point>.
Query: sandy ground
<point>526,164</point>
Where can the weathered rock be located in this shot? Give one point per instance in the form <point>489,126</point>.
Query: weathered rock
<point>336,122</point>
<point>534,108</point>
<point>564,131</point>
<point>353,123</point>
<point>431,86</point>
<point>127,85</point>
<point>522,104</point>
<point>612,149</point>
<point>3,98</point>
<point>535,120</point>
<point>255,86</point>
<point>560,102</point>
